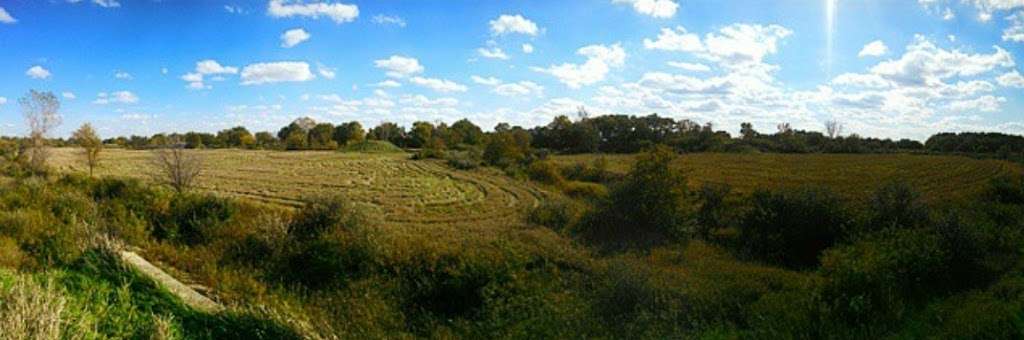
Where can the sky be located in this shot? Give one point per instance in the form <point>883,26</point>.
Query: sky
<point>882,68</point>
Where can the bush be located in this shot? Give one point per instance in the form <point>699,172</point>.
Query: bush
<point>710,216</point>
<point>897,205</point>
<point>557,214</point>
<point>324,214</point>
<point>584,190</point>
<point>464,160</point>
<point>877,280</point>
<point>792,227</point>
<point>596,171</point>
<point>194,217</point>
<point>1007,189</point>
<point>647,208</point>
<point>545,172</point>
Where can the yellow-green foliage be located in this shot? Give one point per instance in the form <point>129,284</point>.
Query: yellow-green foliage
<point>940,179</point>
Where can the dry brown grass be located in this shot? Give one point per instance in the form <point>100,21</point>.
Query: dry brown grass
<point>30,311</point>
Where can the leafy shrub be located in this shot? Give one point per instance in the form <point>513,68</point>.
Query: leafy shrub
<point>323,214</point>
<point>710,215</point>
<point>464,160</point>
<point>327,261</point>
<point>897,205</point>
<point>193,217</point>
<point>975,315</point>
<point>876,281</point>
<point>545,172</point>
<point>584,190</point>
<point>791,227</point>
<point>11,255</point>
<point>648,207</point>
<point>597,171</point>
<point>557,214</point>
<point>1007,189</point>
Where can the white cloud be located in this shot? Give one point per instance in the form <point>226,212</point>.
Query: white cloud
<point>388,20</point>
<point>38,72</point>
<point>234,9</point>
<point>123,97</point>
<point>489,81</point>
<point>69,95</point>
<point>980,104</point>
<point>690,66</point>
<point>6,17</point>
<point>122,75</point>
<point>399,66</point>
<point>164,70</point>
<point>861,80</point>
<point>107,3</point>
<point>492,53</point>
<point>600,60</point>
<point>677,40</point>
<point>527,48</point>
<point>204,68</point>
<point>439,85</point>
<point>926,64</point>
<point>325,71</point>
<point>276,72</point>
<point>1011,79</point>
<point>523,88</point>
<point>506,24</point>
<point>339,12</point>
<point>875,48</point>
<point>3,100</point>
<point>654,8</point>
<point>734,46</point>
<point>388,83</point>
<point>293,37</point>
<point>1015,30</point>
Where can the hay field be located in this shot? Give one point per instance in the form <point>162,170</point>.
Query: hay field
<point>855,177</point>
<point>397,190</point>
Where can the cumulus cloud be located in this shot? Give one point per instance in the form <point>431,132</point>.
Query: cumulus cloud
<point>107,3</point>
<point>507,24</point>
<point>293,37</point>
<point>875,48</point>
<point>489,81</point>
<point>381,19</point>
<point>339,12</point>
<point>522,88</point>
<point>527,48</point>
<point>6,17</point>
<point>439,85</point>
<point>276,72</point>
<point>654,8</point>
<point>3,100</point>
<point>693,67</point>
<point>204,68</point>
<point>388,83</point>
<point>38,72</point>
<point>1015,30</point>
<point>924,63</point>
<point>492,53</point>
<point>1011,79</point>
<point>600,60</point>
<point>69,95</point>
<point>733,46</point>
<point>122,75</point>
<point>398,66</point>
<point>122,97</point>
<point>325,71</point>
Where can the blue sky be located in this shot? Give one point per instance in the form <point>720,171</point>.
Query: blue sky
<point>883,68</point>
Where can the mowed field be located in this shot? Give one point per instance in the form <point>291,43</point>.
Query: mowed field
<point>392,187</point>
<point>940,179</point>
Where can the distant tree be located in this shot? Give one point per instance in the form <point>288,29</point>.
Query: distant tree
<point>296,140</point>
<point>465,132</point>
<point>833,129</point>
<point>388,131</point>
<point>747,131</point>
<point>41,112</point>
<point>351,132</point>
<point>421,134</point>
<point>193,140</point>
<point>502,150</point>
<point>158,140</point>
<point>91,145</point>
<point>321,137</point>
<point>265,140</point>
<point>236,137</point>
<point>176,166</point>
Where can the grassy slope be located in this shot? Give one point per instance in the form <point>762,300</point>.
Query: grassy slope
<point>855,177</point>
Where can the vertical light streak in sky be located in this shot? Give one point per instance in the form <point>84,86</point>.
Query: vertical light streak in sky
<point>830,29</point>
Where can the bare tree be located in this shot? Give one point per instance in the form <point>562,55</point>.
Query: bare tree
<point>785,128</point>
<point>41,114</point>
<point>833,129</point>
<point>91,145</point>
<point>177,166</point>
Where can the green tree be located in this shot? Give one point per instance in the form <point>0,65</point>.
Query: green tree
<point>321,137</point>
<point>91,144</point>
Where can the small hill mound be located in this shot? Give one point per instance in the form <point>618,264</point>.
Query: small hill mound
<point>372,146</point>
